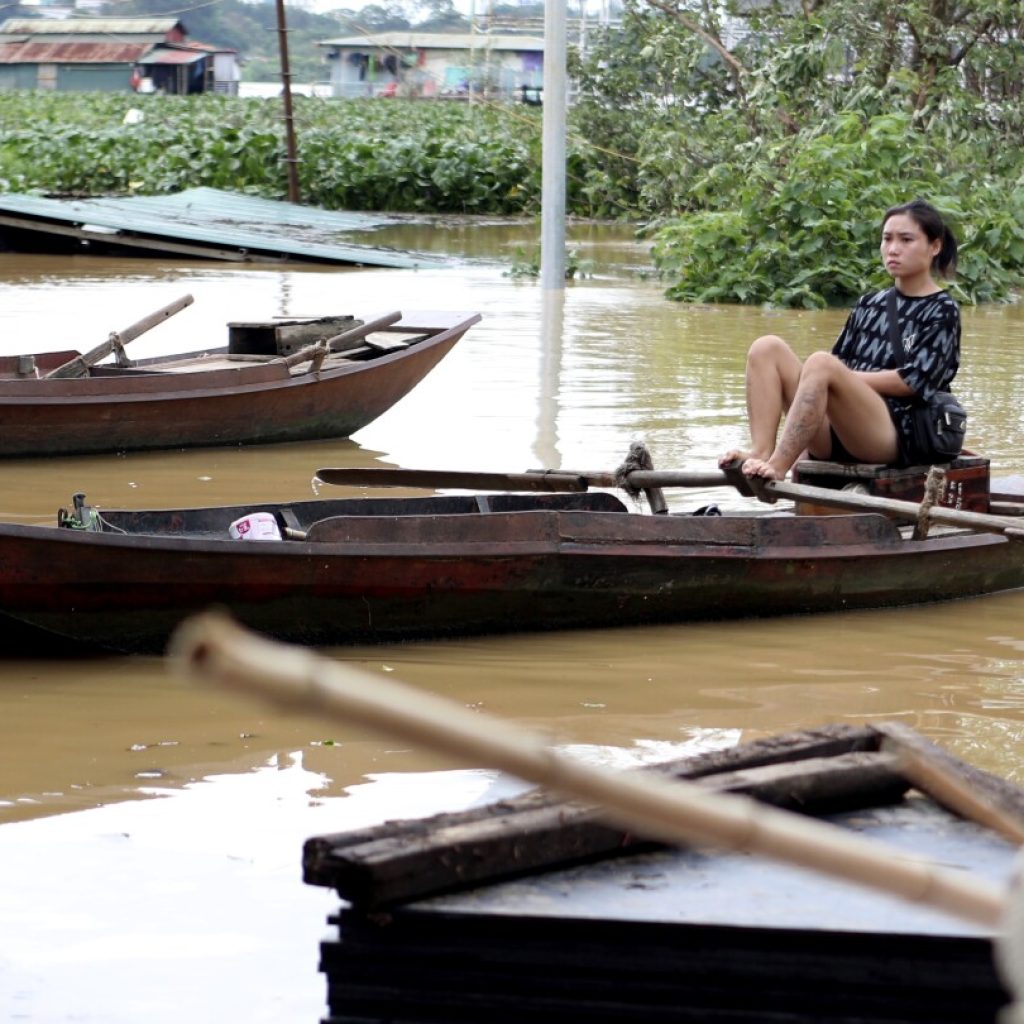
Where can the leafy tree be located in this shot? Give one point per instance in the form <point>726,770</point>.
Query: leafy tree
<point>759,138</point>
<point>386,17</point>
<point>441,16</point>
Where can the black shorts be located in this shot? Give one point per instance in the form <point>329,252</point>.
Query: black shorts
<point>838,453</point>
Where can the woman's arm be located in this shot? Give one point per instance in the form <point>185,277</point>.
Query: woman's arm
<point>886,382</point>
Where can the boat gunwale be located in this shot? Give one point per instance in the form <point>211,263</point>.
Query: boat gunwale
<point>208,542</point>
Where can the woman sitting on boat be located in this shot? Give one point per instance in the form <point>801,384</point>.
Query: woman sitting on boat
<point>853,404</point>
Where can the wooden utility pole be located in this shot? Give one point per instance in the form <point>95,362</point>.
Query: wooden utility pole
<point>292,158</point>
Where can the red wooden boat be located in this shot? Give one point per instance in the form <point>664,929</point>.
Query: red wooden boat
<point>308,378</point>
<point>386,569</point>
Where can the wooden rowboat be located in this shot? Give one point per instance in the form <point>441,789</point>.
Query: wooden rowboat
<point>385,569</point>
<point>284,380</point>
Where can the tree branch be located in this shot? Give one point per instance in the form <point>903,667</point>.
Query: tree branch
<point>738,71</point>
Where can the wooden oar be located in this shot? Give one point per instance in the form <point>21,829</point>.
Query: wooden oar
<point>339,341</point>
<point>212,647</point>
<point>532,480</point>
<point>79,366</point>
<point>908,511</point>
<point>767,490</point>
<point>432,479</point>
<point>313,354</point>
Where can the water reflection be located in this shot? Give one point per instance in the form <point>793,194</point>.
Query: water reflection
<point>549,393</point>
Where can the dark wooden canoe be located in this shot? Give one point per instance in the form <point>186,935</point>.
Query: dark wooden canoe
<point>244,393</point>
<point>385,569</point>
<point>533,909</point>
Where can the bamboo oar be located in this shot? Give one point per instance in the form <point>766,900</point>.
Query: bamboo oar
<point>212,647</point>
<point>767,490</point>
<point>79,366</point>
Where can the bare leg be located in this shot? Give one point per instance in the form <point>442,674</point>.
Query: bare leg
<point>830,396</point>
<point>773,373</point>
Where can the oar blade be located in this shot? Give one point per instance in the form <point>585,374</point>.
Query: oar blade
<point>376,476</point>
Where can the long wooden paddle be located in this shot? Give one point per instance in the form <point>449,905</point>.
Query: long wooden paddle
<point>212,647</point>
<point>79,366</point>
<point>768,490</point>
<point>531,480</point>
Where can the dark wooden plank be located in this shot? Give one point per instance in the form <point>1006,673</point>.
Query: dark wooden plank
<point>433,967</point>
<point>826,741</point>
<point>406,860</point>
<point>959,787</point>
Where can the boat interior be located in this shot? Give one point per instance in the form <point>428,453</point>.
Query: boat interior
<point>492,518</point>
<point>296,345</point>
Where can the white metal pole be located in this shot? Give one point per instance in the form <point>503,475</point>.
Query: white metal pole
<point>472,40</point>
<point>552,237</point>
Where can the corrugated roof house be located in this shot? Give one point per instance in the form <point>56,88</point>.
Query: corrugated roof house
<point>111,54</point>
<point>435,64</point>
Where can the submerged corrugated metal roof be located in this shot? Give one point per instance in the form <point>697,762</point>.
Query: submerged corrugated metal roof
<point>71,53</point>
<point>88,26</point>
<point>229,225</point>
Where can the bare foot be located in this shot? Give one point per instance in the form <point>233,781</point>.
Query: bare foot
<point>762,468</point>
<point>739,456</point>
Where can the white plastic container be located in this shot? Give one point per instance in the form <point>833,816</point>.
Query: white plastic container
<point>255,526</point>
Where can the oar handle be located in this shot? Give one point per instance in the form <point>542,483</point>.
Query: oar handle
<point>79,366</point>
<point>154,319</point>
<point>339,341</point>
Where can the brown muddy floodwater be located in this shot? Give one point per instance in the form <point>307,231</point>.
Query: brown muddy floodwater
<point>152,831</point>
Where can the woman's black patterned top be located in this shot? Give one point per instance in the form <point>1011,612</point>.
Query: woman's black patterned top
<point>929,327</point>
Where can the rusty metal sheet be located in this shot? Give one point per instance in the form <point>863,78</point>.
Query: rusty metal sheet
<point>35,52</point>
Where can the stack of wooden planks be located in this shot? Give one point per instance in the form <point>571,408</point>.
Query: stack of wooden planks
<point>532,909</point>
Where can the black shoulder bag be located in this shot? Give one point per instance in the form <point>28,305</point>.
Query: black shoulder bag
<point>940,423</point>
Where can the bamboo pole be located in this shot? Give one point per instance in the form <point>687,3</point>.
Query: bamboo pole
<point>213,648</point>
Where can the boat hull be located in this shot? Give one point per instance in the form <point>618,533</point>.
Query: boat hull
<point>244,404</point>
<point>384,577</point>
